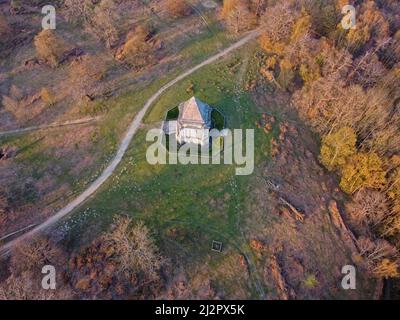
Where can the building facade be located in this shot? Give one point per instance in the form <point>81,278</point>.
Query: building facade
<point>194,122</point>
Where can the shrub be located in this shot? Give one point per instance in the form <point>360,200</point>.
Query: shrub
<point>16,6</point>
<point>178,8</point>
<point>137,51</point>
<point>381,257</point>
<point>85,75</point>
<point>47,97</point>
<point>311,281</point>
<point>49,47</point>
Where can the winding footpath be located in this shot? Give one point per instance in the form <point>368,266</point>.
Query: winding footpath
<point>133,127</point>
<point>50,126</point>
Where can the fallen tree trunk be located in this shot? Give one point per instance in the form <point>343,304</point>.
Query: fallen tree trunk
<point>297,214</point>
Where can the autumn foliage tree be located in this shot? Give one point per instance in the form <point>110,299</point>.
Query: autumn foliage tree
<point>391,226</point>
<point>393,189</point>
<point>387,268</point>
<point>24,281</point>
<point>178,8</point>
<point>277,26</point>
<point>363,170</point>
<point>137,51</point>
<point>49,47</point>
<point>345,86</point>
<point>337,148</point>
<point>284,34</point>
<point>238,15</point>
<point>370,25</point>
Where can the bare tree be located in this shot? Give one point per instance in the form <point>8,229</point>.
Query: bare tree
<point>135,249</point>
<point>369,207</point>
<point>381,257</point>
<point>49,47</point>
<point>105,22</point>
<point>328,104</point>
<point>28,286</point>
<point>86,75</point>
<point>278,21</point>
<point>24,287</point>
<point>78,9</point>
<point>376,250</point>
<point>138,50</point>
<point>258,6</point>
<point>238,15</point>
<point>25,266</point>
<point>100,18</point>
<point>33,255</point>
<point>368,70</point>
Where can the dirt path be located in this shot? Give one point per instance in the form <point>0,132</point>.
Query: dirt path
<point>49,126</point>
<point>133,127</point>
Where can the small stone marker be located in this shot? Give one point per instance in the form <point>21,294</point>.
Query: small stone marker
<point>216,246</point>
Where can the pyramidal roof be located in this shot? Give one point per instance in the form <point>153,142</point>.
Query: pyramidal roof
<point>196,110</point>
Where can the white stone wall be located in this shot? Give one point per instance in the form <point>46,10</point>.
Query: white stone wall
<point>191,135</point>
